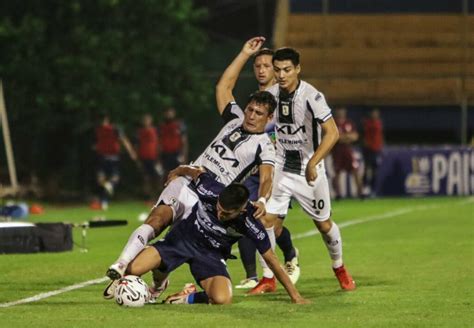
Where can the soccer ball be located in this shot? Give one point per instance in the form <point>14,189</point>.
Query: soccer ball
<point>132,291</point>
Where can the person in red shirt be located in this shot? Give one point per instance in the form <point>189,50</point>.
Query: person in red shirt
<point>108,140</point>
<point>372,149</point>
<point>148,155</point>
<point>173,141</point>
<point>343,154</point>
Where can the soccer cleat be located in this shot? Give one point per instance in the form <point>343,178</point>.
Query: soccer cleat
<point>116,271</point>
<point>292,268</point>
<point>182,296</point>
<point>265,285</point>
<point>247,283</point>
<point>109,291</point>
<point>345,280</point>
<point>155,292</point>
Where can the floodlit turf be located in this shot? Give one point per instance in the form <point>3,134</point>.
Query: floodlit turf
<point>411,258</point>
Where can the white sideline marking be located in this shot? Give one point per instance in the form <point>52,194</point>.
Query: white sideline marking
<point>297,236</point>
<point>54,292</point>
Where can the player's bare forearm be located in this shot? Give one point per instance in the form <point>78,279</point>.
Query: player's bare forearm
<point>272,261</point>
<point>228,79</point>
<point>265,180</point>
<point>185,170</point>
<point>264,190</point>
<point>329,139</point>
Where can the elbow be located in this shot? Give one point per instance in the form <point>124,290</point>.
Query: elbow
<point>335,137</point>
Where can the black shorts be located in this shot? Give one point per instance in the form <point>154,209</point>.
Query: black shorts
<point>204,263</point>
<point>108,167</point>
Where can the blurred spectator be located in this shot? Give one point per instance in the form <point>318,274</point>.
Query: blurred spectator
<point>343,154</point>
<point>148,155</point>
<point>173,141</point>
<point>107,146</point>
<point>372,148</point>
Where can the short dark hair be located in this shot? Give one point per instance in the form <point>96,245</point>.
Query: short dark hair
<point>234,196</point>
<point>287,54</point>
<point>263,52</point>
<point>264,98</point>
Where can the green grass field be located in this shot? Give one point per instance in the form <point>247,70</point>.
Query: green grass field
<point>411,258</point>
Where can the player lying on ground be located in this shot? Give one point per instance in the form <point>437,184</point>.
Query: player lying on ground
<point>204,238</point>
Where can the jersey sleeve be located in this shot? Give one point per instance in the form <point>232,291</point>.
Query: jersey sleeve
<point>256,232</point>
<point>267,154</point>
<point>317,105</point>
<point>207,188</point>
<point>231,112</point>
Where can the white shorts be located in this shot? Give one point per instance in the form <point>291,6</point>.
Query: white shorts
<point>179,197</point>
<point>315,200</point>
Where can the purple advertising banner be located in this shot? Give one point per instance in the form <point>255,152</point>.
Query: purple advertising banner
<point>426,171</point>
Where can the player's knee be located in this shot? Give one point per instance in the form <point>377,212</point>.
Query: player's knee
<point>159,218</point>
<point>278,227</point>
<point>323,226</point>
<point>220,298</point>
<point>269,220</point>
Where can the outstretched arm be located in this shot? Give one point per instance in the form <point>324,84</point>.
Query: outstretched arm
<point>272,261</point>
<point>229,77</point>
<point>185,170</point>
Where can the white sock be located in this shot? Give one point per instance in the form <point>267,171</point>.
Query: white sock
<point>136,243</point>
<point>333,242</point>
<point>267,273</point>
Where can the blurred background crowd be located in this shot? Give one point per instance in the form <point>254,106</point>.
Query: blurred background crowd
<point>86,82</point>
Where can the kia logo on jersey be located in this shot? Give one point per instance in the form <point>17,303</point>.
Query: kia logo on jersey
<point>287,129</point>
<point>220,150</point>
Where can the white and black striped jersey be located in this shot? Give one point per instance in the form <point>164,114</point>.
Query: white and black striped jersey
<point>298,131</point>
<point>233,154</point>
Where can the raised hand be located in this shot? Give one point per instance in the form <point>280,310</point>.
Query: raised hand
<point>253,45</point>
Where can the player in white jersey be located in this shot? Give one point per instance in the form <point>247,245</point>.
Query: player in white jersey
<point>305,133</point>
<point>264,74</point>
<point>241,145</point>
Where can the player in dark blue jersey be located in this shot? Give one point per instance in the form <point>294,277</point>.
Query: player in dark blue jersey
<point>204,238</point>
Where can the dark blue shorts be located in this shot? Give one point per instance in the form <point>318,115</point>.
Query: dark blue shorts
<point>204,263</point>
<point>252,183</point>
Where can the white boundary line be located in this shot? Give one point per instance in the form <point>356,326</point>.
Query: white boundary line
<point>313,232</point>
<point>54,292</point>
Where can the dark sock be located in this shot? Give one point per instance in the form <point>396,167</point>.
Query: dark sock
<point>247,251</point>
<point>286,245</point>
<point>199,297</point>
